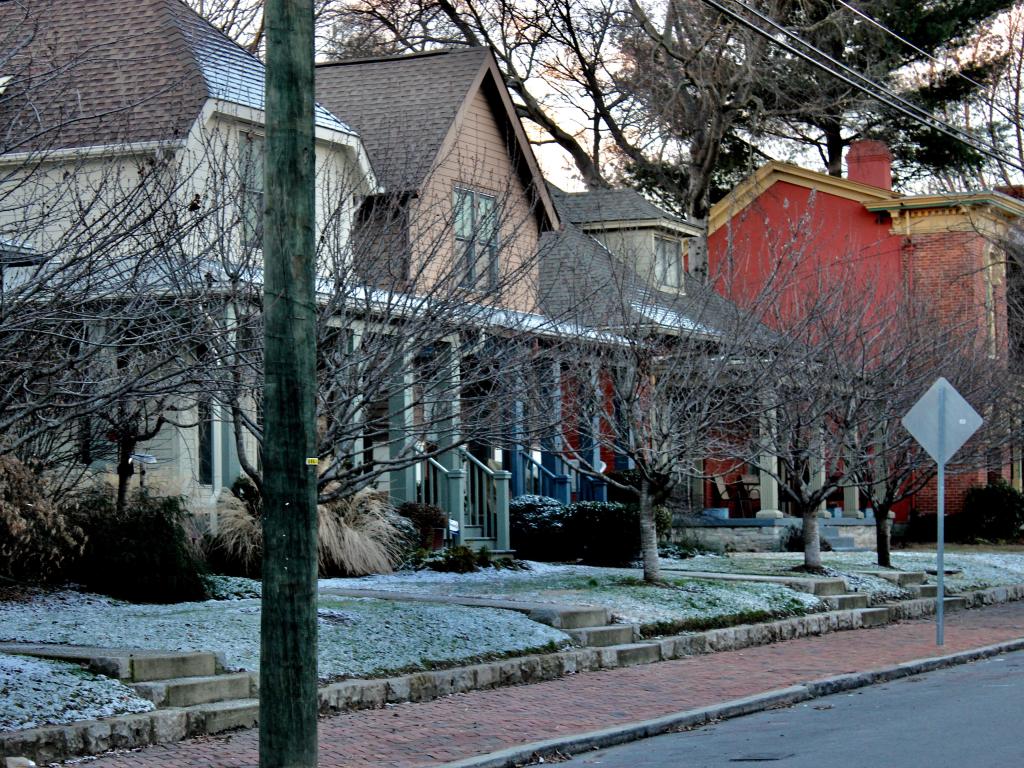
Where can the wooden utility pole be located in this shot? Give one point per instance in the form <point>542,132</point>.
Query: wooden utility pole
<point>288,653</point>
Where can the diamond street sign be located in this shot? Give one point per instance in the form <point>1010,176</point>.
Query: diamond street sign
<point>942,421</point>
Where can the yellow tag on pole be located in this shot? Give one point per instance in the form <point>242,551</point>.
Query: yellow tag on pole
<point>312,462</point>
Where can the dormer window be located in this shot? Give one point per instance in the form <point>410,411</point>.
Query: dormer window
<point>668,265</point>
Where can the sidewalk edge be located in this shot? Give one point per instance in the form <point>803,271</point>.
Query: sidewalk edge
<point>784,697</point>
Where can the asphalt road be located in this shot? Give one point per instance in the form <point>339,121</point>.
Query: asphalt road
<point>970,716</point>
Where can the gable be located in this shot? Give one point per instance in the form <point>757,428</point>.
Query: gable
<point>757,184</point>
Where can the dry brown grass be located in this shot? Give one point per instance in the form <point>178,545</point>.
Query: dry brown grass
<point>357,535</point>
<point>36,539</point>
<point>239,536</point>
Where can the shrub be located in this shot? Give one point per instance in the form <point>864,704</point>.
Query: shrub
<point>245,490</point>
<point>659,486</point>
<point>602,533</point>
<point>37,541</point>
<point>994,512</point>
<point>144,554</point>
<point>362,534</point>
<point>427,518</point>
<point>357,535</point>
<point>457,559</point>
<point>236,549</point>
<point>794,541</point>
<point>536,527</point>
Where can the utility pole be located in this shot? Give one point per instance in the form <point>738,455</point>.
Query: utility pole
<point>288,652</point>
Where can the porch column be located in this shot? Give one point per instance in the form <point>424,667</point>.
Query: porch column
<point>817,462</point>
<point>551,442</point>
<point>455,495</point>
<point>502,542</point>
<point>851,501</point>
<point>401,481</point>
<point>768,468</point>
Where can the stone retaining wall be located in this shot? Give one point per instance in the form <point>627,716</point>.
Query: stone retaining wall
<point>755,535</point>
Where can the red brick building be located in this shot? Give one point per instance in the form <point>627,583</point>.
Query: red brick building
<point>881,246</point>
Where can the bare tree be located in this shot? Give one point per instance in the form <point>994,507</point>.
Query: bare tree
<point>661,379</point>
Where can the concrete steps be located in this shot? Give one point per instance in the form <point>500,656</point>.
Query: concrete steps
<point>189,691</point>
<point>602,637</point>
<point>900,578</point>
<point>846,602</point>
<point>874,617</point>
<point>217,717</point>
<point>634,654</point>
<point>924,590</point>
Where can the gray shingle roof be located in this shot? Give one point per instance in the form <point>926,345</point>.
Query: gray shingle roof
<point>601,205</point>
<point>582,281</point>
<point>402,106</point>
<point>100,72</point>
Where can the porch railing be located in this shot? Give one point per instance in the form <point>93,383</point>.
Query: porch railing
<point>565,482</point>
<point>471,493</point>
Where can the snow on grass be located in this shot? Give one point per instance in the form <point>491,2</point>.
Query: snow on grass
<point>35,692</point>
<point>978,569</point>
<point>359,637</point>
<point>683,602</point>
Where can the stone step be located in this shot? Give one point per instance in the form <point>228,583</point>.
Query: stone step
<point>951,604</point>
<point>873,617</point>
<point>571,618</point>
<point>899,578</point>
<point>130,665</point>
<point>924,590</point>
<point>188,691</point>
<point>222,716</point>
<point>633,654</point>
<point>847,602</point>
<point>600,637</point>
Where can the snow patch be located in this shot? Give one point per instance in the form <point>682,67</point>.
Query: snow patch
<point>35,692</point>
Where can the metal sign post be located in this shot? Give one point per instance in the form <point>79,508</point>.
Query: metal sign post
<point>941,421</point>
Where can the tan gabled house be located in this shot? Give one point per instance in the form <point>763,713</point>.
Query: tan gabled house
<point>463,203</point>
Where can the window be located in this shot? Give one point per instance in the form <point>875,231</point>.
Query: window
<point>476,239</point>
<point>251,153</point>
<point>205,419</point>
<point>667,264</point>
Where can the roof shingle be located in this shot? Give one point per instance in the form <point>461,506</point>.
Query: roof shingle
<point>402,106</point>
<point>89,73</point>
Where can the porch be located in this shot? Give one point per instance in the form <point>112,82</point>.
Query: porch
<point>473,487</point>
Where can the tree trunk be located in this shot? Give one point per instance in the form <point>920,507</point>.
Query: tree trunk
<point>288,626</point>
<point>833,130</point>
<point>648,535</point>
<point>125,448</point>
<point>812,544</point>
<point>882,538</point>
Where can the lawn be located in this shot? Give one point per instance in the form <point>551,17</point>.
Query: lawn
<point>358,637</point>
<point>36,692</point>
<point>980,567</point>
<point>682,603</point>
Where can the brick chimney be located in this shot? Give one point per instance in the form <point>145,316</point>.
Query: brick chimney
<point>869,162</point>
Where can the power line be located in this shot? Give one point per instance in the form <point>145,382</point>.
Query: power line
<point>920,114</point>
<point>857,80</point>
<point>875,22</point>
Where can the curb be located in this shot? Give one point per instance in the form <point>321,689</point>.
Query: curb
<point>784,697</point>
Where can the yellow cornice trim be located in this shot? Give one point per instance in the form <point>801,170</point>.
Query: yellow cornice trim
<point>992,201</point>
<point>767,175</point>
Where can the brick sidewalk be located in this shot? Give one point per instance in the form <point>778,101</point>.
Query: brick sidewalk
<point>464,725</point>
